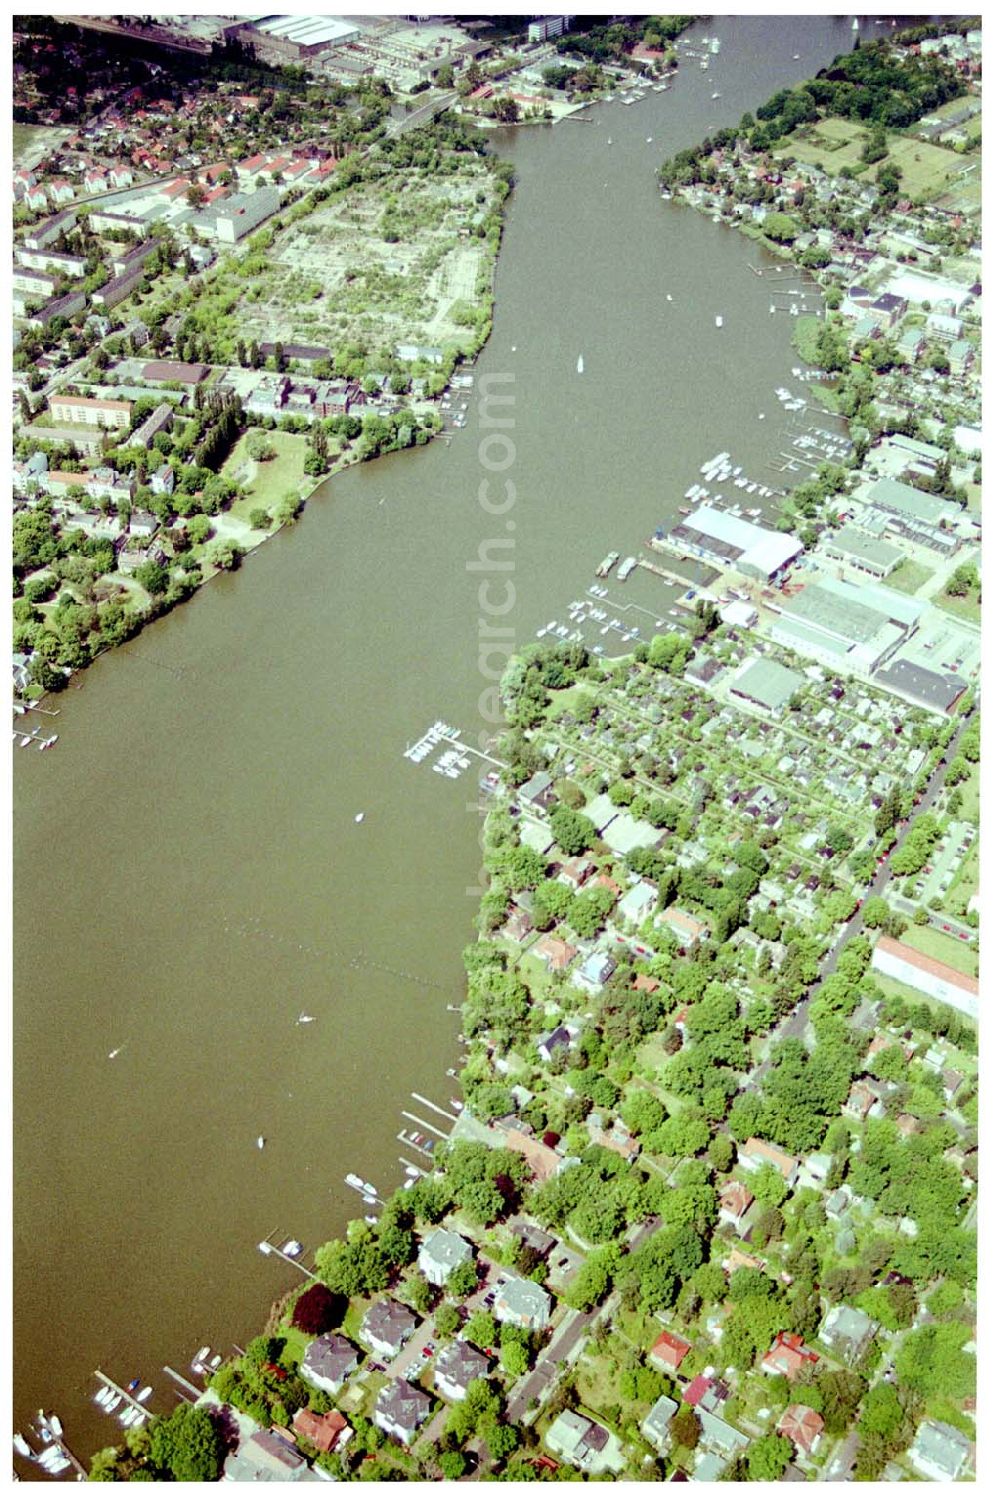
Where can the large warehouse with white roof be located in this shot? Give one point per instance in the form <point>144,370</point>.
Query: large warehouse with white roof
<point>730,542</point>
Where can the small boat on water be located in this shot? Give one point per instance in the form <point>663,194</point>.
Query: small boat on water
<point>103,1394</point>
<point>359,817</point>
<point>579,365</point>
<point>304,1020</point>
<point>291,1247</point>
<point>113,1404</point>
<point>718,320</point>
<point>56,1425</point>
<point>353,1180</point>
<point>22,1446</point>
<point>215,1361</point>
<point>260,1143</point>
<point>145,1393</point>
<point>371,1191</point>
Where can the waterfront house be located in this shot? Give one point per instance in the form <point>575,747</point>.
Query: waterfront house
<point>655,1426</point>
<point>132,556</point>
<point>401,1409</point>
<point>669,1352</point>
<point>525,1304</point>
<point>537,791</point>
<point>457,1367</point>
<point>264,1457</point>
<point>328,1433</point>
<point>386,1326</point>
<point>328,1361</point>
<point>788,1356</point>
<point>441,1252</point>
<point>518,926</point>
<point>803,1427</point>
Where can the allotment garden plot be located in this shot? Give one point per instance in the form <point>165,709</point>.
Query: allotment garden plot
<point>396,260</point>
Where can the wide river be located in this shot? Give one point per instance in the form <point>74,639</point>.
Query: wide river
<point>188,873</point>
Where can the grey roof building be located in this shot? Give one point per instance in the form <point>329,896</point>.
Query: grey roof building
<point>655,1426</point>
<point>720,1436</point>
<point>440,1253</point>
<point>766,683</point>
<point>264,1457</point>
<point>523,1303</point>
<point>866,553</point>
<point>328,1361</point>
<point>387,1325</point>
<point>937,691</point>
<point>939,1451</point>
<point>457,1367</point>
<point>401,1410</point>
<point>847,1331</point>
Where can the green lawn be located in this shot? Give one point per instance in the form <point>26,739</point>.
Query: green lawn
<point>964,607</point>
<point>970,797</point>
<point>835,143</point>
<point>272,479</point>
<point>965,883</point>
<point>909,576</point>
<point>945,949</point>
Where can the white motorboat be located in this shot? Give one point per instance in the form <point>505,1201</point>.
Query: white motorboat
<point>22,1447</point>
<point>260,1143</point>
<point>291,1247</point>
<point>579,365</point>
<point>359,817</point>
<point>145,1393</point>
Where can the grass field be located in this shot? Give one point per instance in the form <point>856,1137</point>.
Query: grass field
<point>945,949</point>
<point>966,608</point>
<point>270,481</point>
<point>909,576</point>
<point>964,885</point>
<point>970,798</point>
<point>805,336</point>
<point>834,143</point>
<point>31,142</point>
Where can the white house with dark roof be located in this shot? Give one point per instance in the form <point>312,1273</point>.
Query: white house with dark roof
<point>386,1326</point>
<point>441,1252</point>
<point>457,1367</point>
<point>401,1410</point>
<point>328,1361</point>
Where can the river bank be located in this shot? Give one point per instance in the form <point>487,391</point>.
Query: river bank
<point>276,706</point>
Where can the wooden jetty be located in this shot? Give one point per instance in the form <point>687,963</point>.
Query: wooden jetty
<point>126,1396</point>
<point>268,1247</point>
<point>449,1114</point>
<point>182,1380</point>
<point>425,1125</point>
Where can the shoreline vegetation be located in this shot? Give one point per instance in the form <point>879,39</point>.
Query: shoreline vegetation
<point>701,1127</point>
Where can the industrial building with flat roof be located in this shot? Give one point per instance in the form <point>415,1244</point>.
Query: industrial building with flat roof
<point>287,38</point>
<point>846,626</point>
<point>922,686</point>
<point>730,542</point>
<point>903,500</point>
<point>766,683</point>
<point>865,553</point>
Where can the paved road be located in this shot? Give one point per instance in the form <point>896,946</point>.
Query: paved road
<point>568,1341</point>
<point>797,1021</point>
